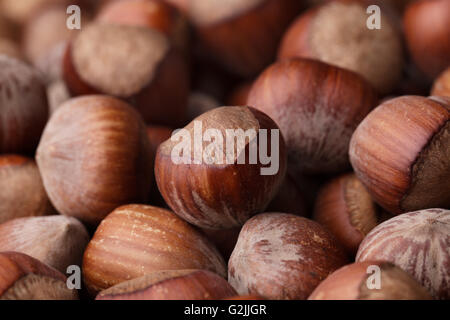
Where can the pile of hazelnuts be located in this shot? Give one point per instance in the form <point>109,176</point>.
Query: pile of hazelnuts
<point>358,208</point>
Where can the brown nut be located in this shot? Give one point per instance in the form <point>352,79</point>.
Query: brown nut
<point>283,256</point>
<point>154,14</point>
<point>94,156</point>
<point>98,60</point>
<point>22,192</point>
<point>241,35</point>
<point>337,33</point>
<point>44,33</point>
<point>441,86</point>
<point>353,282</point>
<point>417,242</point>
<point>171,285</point>
<point>428,43</point>
<point>317,106</point>
<point>221,185</point>
<point>57,241</point>
<point>25,278</point>
<point>23,106</point>
<point>401,153</point>
<point>136,240</point>
<point>347,210</point>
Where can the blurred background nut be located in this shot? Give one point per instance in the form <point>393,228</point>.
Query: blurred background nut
<point>417,242</point>
<point>225,188</point>
<point>43,34</point>
<point>426,24</point>
<point>352,282</point>
<point>57,241</point>
<point>337,33</point>
<point>25,278</point>
<point>240,35</point>
<point>155,14</point>
<point>136,240</point>
<point>317,106</point>
<point>347,210</point>
<point>441,85</point>
<point>23,107</point>
<point>136,64</point>
<point>282,256</point>
<point>171,285</point>
<point>94,156</point>
<point>401,153</point>
<point>22,192</point>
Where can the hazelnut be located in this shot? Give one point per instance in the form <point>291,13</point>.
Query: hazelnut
<point>347,210</point>
<point>156,136</point>
<point>441,86</point>
<point>23,107</point>
<point>171,285</point>
<point>98,60</point>
<point>154,14</point>
<point>57,241</point>
<point>427,32</point>
<point>94,156</point>
<point>401,153</point>
<point>222,187</point>
<point>22,192</point>
<point>351,283</point>
<point>337,33</point>
<point>25,278</point>
<point>417,242</point>
<point>136,240</point>
<point>317,106</point>
<point>240,35</point>
<point>282,256</point>
<point>45,31</point>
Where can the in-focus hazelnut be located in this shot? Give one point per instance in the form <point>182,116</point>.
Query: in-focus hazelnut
<point>25,278</point>
<point>135,240</point>
<point>337,33</point>
<point>171,285</point>
<point>283,256</point>
<point>154,78</point>
<point>94,156</point>
<point>23,106</point>
<point>352,282</point>
<point>401,153</point>
<point>317,106</point>
<point>22,192</point>
<point>220,181</point>
<point>417,242</point>
<point>57,241</point>
<point>347,210</point>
